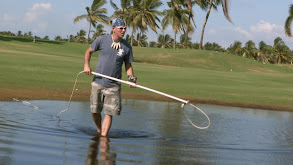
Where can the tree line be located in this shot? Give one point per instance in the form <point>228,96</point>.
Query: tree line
<point>142,15</point>
<point>279,53</point>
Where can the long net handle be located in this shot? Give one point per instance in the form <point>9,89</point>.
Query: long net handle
<point>140,86</point>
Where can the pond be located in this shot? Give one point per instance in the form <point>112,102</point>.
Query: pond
<point>147,132</point>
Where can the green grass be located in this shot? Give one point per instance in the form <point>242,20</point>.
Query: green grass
<point>189,74</point>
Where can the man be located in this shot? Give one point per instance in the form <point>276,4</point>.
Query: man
<point>105,93</point>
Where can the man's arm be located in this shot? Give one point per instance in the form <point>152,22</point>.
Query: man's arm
<point>87,58</point>
<point>129,70</point>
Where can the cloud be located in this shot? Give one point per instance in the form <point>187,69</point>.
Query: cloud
<point>265,27</point>
<point>35,19</point>
<point>260,31</point>
<point>37,11</point>
<point>268,32</point>
<point>243,32</point>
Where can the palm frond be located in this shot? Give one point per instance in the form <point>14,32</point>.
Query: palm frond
<point>288,22</point>
<point>226,9</point>
<point>78,18</point>
<point>114,5</point>
<point>97,4</point>
<point>288,26</point>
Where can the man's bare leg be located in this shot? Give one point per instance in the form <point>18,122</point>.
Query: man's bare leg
<point>97,119</point>
<point>107,122</point>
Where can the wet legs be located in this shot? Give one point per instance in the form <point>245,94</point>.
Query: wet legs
<point>104,128</point>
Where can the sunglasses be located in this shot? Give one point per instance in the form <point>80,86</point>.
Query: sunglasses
<point>121,28</point>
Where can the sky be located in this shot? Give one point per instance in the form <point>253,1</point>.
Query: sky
<point>256,20</point>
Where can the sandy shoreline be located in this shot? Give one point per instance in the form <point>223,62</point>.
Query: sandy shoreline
<point>83,95</point>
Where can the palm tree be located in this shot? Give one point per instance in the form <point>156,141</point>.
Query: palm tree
<point>281,50</point>
<point>164,41</point>
<point>213,46</point>
<point>99,31</point>
<point>94,14</point>
<point>80,37</point>
<point>183,40</point>
<point>128,38</point>
<point>58,38</point>
<point>235,48</point>
<point>143,14</point>
<point>7,33</point>
<point>250,50</point>
<point>289,22</point>
<point>291,57</point>
<point>195,45</point>
<point>189,4</point>
<point>28,34</point>
<point>175,16</point>
<point>152,44</point>
<point>71,38</point>
<point>262,46</point>
<point>19,34</point>
<point>214,4</point>
<point>46,38</point>
<point>143,40</point>
<point>208,46</point>
<point>130,22</point>
<point>263,52</point>
<point>123,12</point>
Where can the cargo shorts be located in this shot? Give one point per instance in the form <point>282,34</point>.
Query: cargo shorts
<point>105,98</point>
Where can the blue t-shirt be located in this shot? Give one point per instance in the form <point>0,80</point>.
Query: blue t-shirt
<point>111,60</point>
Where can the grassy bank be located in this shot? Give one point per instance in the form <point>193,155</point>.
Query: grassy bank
<point>47,70</point>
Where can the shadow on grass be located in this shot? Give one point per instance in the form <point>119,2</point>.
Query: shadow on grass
<point>22,39</point>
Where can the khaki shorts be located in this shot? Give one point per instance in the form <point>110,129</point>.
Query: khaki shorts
<point>107,98</point>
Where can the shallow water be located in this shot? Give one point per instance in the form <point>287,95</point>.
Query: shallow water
<point>147,132</point>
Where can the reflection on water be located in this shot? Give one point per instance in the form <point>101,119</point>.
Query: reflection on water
<point>100,145</point>
<point>147,132</point>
